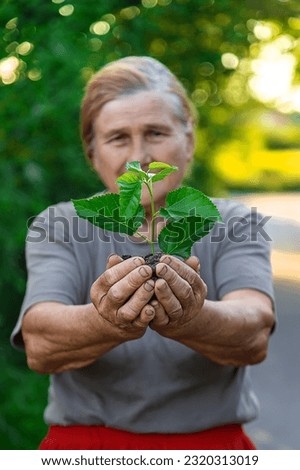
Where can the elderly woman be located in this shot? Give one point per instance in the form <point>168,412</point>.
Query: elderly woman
<point>130,370</point>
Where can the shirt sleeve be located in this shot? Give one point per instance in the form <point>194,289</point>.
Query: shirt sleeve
<point>53,272</point>
<point>243,253</point>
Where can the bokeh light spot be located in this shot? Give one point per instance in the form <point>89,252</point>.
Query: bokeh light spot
<point>274,70</point>
<point>263,31</point>
<point>109,18</point>
<point>95,44</point>
<point>11,48</point>
<point>24,48</point>
<point>100,28</point>
<point>130,12</point>
<point>158,47</point>
<point>12,24</point>
<point>34,74</point>
<point>9,70</point>
<point>229,60</point>
<point>223,19</point>
<point>294,23</point>
<point>66,10</point>
<point>149,3</point>
<point>219,115</point>
<point>200,96</point>
<point>86,73</point>
<point>206,69</point>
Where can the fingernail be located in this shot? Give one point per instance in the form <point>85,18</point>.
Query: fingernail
<point>137,261</point>
<point>161,285</point>
<point>167,260</point>
<point>162,270</point>
<point>149,285</point>
<point>144,272</point>
<point>149,312</point>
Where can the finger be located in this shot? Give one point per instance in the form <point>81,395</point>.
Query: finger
<point>132,309</point>
<point>184,270</point>
<point>117,272</point>
<point>146,316</point>
<point>194,263</point>
<point>113,260</point>
<point>120,292</point>
<point>167,299</point>
<point>101,287</point>
<point>161,318</point>
<point>179,286</point>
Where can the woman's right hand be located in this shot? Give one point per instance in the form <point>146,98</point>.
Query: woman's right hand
<point>122,294</point>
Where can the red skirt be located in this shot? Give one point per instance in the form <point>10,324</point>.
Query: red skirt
<point>228,437</point>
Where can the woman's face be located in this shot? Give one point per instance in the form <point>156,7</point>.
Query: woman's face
<point>143,127</point>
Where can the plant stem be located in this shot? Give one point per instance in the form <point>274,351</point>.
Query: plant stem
<point>145,238</point>
<point>153,213</point>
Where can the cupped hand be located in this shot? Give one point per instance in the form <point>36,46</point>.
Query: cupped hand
<point>122,293</point>
<point>180,294</point>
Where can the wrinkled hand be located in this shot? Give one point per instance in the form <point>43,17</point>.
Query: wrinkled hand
<point>121,295</point>
<point>180,294</point>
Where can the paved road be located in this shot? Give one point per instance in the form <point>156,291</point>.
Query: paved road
<point>277,380</point>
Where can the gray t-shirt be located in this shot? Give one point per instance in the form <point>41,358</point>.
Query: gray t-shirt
<point>152,384</point>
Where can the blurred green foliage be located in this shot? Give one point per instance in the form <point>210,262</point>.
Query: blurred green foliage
<point>53,48</point>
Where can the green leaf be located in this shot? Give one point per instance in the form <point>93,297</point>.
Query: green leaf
<point>163,173</point>
<point>165,168</point>
<point>130,194</point>
<point>104,211</point>
<point>160,166</point>
<point>187,201</point>
<point>178,236</point>
<point>135,167</point>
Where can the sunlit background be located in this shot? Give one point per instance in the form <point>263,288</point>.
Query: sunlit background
<point>240,64</point>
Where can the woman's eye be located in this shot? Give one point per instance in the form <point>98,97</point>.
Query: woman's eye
<point>119,138</point>
<point>155,133</point>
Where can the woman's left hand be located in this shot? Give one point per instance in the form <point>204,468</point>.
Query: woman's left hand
<point>180,294</point>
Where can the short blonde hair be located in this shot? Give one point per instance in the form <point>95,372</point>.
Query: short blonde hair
<point>125,76</point>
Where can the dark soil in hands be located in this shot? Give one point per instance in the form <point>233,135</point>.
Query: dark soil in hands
<point>151,260</point>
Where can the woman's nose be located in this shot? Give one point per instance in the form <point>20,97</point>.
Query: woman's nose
<point>140,152</point>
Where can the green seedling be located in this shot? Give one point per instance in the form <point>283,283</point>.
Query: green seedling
<point>189,213</point>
